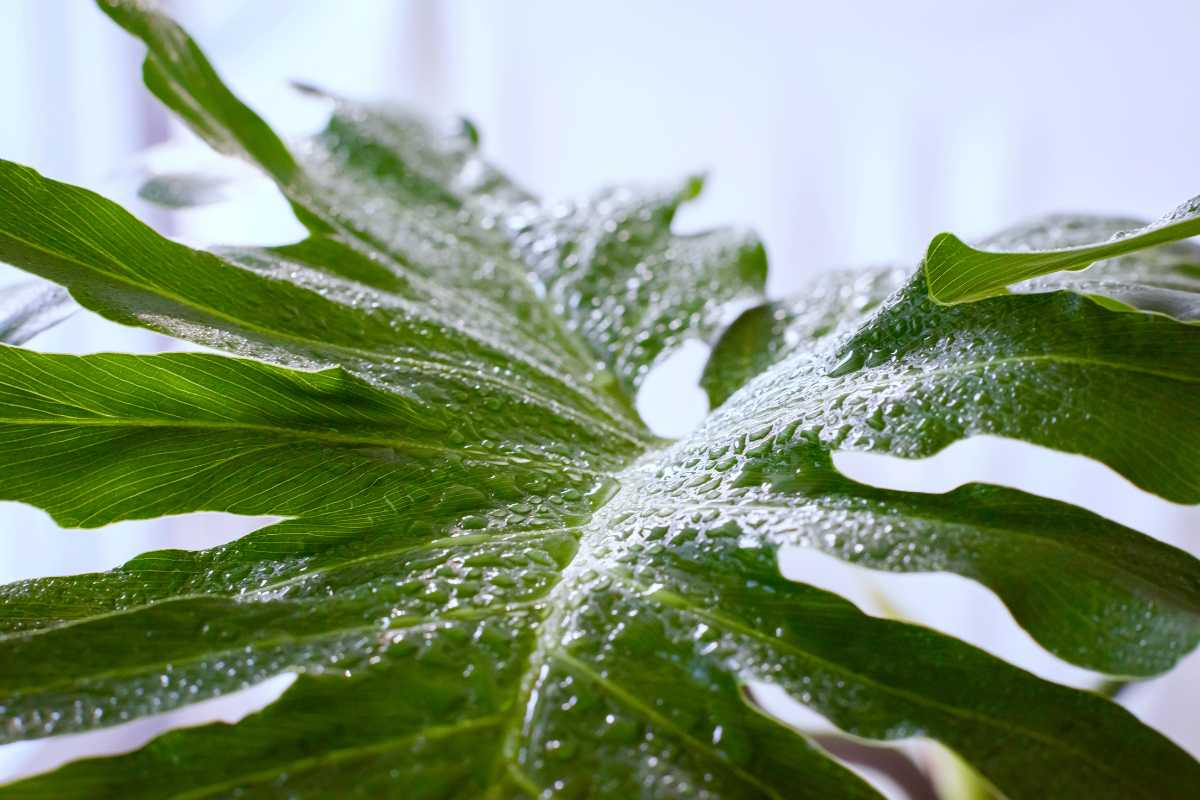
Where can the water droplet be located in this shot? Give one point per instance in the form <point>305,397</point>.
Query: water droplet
<point>852,361</point>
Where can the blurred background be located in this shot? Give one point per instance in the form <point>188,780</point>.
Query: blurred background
<point>845,133</point>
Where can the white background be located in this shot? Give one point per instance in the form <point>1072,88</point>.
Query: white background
<point>846,133</point>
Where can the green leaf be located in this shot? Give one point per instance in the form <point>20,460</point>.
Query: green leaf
<point>632,289</point>
<point>917,376</point>
<point>491,579</point>
<point>1051,368</point>
<point>959,273</point>
<point>27,309</point>
<point>177,71</point>
<point>1164,279</point>
<point>398,519</point>
<point>832,307</point>
<point>642,600</point>
<point>627,290</point>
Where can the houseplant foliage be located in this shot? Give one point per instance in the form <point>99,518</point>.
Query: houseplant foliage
<point>490,577</point>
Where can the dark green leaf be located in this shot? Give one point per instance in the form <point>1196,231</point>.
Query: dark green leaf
<point>410,520</point>
<point>830,308</point>
<point>1052,368</point>
<point>490,577</point>
<point>625,288</point>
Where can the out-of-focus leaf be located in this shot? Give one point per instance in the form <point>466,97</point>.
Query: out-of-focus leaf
<point>28,308</point>
<point>183,190</point>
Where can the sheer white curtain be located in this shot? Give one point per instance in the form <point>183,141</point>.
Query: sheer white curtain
<point>845,133</point>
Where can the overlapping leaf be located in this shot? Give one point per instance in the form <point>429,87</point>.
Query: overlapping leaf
<point>959,273</point>
<point>491,579</point>
<point>1050,367</point>
<point>1164,279</point>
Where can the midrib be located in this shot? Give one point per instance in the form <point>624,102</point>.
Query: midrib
<point>325,436</point>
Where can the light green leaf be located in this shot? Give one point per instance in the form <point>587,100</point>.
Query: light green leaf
<point>1164,279</point>
<point>959,273</point>
<point>491,579</point>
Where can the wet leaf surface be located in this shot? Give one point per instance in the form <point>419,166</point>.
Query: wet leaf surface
<point>492,580</point>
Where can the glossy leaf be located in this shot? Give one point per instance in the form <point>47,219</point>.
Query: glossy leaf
<point>959,273</point>
<point>831,307</point>
<point>1053,368</point>
<point>626,289</point>
<point>491,579</point>
<point>619,635</point>
<point>1164,279</point>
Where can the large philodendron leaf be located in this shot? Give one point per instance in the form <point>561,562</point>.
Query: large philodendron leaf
<point>491,579</point>
<point>543,631</point>
<point>959,273</point>
<point>912,376</point>
<point>609,265</point>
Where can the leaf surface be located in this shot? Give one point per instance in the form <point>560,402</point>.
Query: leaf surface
<point>599,649</point>
<point>959,273</point>
<point>491,579</point>
<point>1052,368</point>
